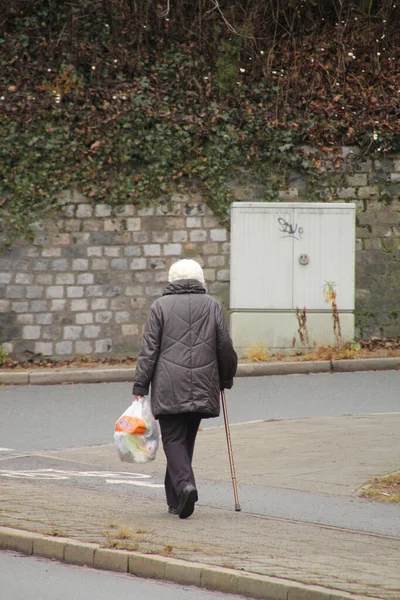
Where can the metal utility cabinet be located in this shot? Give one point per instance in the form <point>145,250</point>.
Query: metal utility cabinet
<point>282,257</point>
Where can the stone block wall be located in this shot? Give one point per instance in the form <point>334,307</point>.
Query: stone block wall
<point>86,283</point>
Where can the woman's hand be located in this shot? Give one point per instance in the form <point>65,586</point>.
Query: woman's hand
<point>139,397</point>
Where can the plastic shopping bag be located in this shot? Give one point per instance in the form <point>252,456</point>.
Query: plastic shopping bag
<point>137,433</point>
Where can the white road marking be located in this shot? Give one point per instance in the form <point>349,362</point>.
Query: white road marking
<point>7,450</point>
<point>138,483</point>
<point>59,474</point>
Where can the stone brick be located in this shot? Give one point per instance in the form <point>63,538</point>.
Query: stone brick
<point>92,331</point>
<point>19,307</point>
<point>85,279</point>
<point>194,209</point>
<point>395,177</point>
<point>369,191</point>
<point>99,304</point>
<point>72,332</point>
<point>23,278</point>
<point>102,210</point>
<point>74,291</point>
<point>396,165</point>
<point>15,291</point>
<point>58,305</point>
<point>172,223</point>
<point>45,348</point>
<point>199,235</point>
<point>102,238</point>
<point>125,211</point>
<point>132,251</point>
<point>143,277</point>
<point>80,264</point>
<point>4,306</point>
<point>80,239</point>
<point>83,347</point>
<point>33,252</point>
<point>226,248</point>
<point>38,306</point>
<point>31,332</point>
<point>223,275</point>
<point>154,290</point>
<point>114,225</point>
<point>211,222</point>
<point>218,235</point>
<point>64,348</point>
<point>103,346</point>
<point>122,317</point>
<point>146,211</point>
<point>104,316</point>
<point>372,244</point>
<point>59,264</point>
<point>119,303</point>
<point>112,251</point>
<point>51,252</point>
<point>95,251</point>
<point>157,263</point>
<point>55,291</point>
<point>43,278</point>
<point>72,226</point>
<point>65,279</point>
<point>40,265</point>
<point>209,274</point>
<point>119,264</point>
<point>34,291</point>
<point>51,332</point>
<point>160,237</point>
<point>44,319</point>
<point>138,264</point>
<point>179,236</point>
<point>140,237</point>
<point>133,224</point>
<point>171,210</point>
<point>99,264</point>
<point>211,248</point>
<point>216,261</point>
<point>94,290</point>
<point>24,319</point>
<point>152,250</point>
<point>122,238</point>
<point>79,305</point>
<point>172,249</point>
<point>134,290</point>
<point>6,278</point>
<point>357,180</point>
<point>194,222</point>
<point>84,211</point>
<point>91,225</point>
<point>68,211</point>
<point>349,192</point>
<point>61,239</point>
<point>131,329</point>
<point>162,277</point>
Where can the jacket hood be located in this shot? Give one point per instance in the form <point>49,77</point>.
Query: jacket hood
<point>184,286</point>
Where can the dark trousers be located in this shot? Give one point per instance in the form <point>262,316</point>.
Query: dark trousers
<point>178,433</point>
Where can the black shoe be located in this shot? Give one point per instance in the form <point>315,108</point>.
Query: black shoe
<point>187,500</point>
<point>173,510</point>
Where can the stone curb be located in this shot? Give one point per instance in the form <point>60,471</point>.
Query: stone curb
<point>126,374</point>
<point>228,581</point>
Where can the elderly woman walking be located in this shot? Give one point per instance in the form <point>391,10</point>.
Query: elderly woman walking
<point>187,356</point>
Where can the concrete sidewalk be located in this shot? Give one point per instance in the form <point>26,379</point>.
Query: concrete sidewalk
<point>83,517</point>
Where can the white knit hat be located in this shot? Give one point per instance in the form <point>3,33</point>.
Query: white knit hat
<point>186,269</point>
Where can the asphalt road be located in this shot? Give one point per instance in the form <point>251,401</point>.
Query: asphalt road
<point>23,577</point>
<point>43,418</point>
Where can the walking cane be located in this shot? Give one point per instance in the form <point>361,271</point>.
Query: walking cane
<point>228,440</point>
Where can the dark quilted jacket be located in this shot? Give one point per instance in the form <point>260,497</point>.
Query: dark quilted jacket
<point>186,352</point>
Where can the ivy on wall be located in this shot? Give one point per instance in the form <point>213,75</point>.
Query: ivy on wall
<point>130,101</point>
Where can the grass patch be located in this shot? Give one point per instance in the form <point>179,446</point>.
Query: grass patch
<point>383,489</point>
<point>258,353</point>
